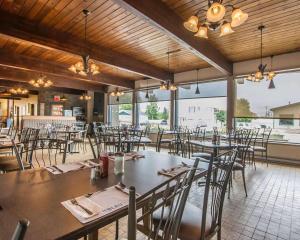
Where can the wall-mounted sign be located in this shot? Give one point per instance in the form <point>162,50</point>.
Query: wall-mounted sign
<point>56,98</point>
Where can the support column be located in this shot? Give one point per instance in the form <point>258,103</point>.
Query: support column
<point>134,109</point>
<point>105,113</point>
<point>172,109</point>
<point>90,107</point>
<point>231,91</point>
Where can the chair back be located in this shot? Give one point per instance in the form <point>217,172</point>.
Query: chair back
<point>168,201</point>
<point>20,230</point>
<point>218,190</point>
<point>158,139</point>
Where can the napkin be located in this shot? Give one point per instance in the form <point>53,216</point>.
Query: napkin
<point>172,172</point>
<point>100,203</point>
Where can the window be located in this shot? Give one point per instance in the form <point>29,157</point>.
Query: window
<point>120,112</point>
<point>205,109</point>
<point>279,108</point>
<point>154,111</point>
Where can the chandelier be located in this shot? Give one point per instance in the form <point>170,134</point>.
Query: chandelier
<point>168,84</point>
<point>18,91</point>
<point>86,66</point>
<point>41,82</point>
<point>85,97</point>
<point>215,19</point>
<point>117,93</point>
<point>261,74</point>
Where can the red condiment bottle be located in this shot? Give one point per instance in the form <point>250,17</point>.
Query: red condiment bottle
<point>104,160</point>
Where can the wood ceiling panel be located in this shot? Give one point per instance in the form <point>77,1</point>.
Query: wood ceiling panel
<point>113,27</point>
<point>25,48</point>
<point>281,18</point>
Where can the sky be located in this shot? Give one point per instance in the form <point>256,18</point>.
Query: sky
<point>287,89</point>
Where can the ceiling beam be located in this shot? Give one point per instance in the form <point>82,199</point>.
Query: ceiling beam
<point>160,15</point>
<point>24,29</point>
<point>19,75</point>
<point>36,65</point>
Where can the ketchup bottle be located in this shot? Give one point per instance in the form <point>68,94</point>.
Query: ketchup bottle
<point>104,160</point>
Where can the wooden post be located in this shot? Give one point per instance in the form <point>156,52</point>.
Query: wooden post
<point>230,101</point>
<point>172,109</point>
<point>134,108</point>
<point>90,107</point>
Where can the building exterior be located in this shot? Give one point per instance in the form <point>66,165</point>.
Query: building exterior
<point>287,116</point>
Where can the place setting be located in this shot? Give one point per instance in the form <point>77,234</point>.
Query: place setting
<point>92,206</point>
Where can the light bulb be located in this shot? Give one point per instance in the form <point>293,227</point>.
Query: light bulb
<point>226,29</point>
<point>238,17</point>
<point>191,24</point>
<point>216,12</point>
<point>202,32</point>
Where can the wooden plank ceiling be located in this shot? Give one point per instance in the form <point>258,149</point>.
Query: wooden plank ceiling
<point>115,28</point>
<point>281,35</point>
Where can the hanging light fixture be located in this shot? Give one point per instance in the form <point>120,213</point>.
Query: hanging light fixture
<point>168,84</point>
<point>63,98</point>
<point>259,75</point>
<point>41,81</point>
<point>197,88</point>
<point>18,91</point>
<point>85,97</point>
<point>226,29</point>
<point>215,19</point>
<point>116,93</point>
<point>147,92</point>
<point>86,66</point>
<point>271,73</point>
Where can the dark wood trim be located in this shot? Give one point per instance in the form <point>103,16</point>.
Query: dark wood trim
<point>21,76</point>
<point>158,14</point>
<point>21,28</point>
<point>27,63</point>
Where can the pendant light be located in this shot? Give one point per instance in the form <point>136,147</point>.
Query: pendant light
<point>271,85</point>
<point>172,86</point>
<point>85,67</point>
<point>147,92</point>
<point>259,75</point>
<point>63,98</point>
<point>271,73</point>
<point>197,88</point>
<point>215,18</point>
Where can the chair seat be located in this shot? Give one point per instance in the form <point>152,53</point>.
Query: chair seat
<point>237,166</point>
<point>201,155</point>
<point>259,148</point>
<point>9,165</point>
<point>190,227</point>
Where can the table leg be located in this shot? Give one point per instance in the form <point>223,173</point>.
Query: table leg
<point>93,236</point>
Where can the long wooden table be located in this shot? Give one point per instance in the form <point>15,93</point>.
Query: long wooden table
<point>37,196</point>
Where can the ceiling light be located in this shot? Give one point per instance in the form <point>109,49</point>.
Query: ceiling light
<point>202,32</point>
<point>226,29</point>
<point>215,19</point>
<point>216,12</point>
<point>191,24</point>
<point>18,91</point>
<point>85,66</point>
<point>238,17</point>
<point>197,88</point>
<point>63,98</point>
<point>116,93</point>
<point>41,82</point>
<point>271,85</point>
<point>173,87</point>
<point>85,97</point>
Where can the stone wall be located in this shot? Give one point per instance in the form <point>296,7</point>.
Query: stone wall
<point>47,97</point>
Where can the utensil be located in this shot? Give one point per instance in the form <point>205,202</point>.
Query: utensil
<point>58,169</point>
<point>74,202</point>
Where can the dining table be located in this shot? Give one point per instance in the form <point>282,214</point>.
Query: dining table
<point>215,147</point>
<point>37,194</point>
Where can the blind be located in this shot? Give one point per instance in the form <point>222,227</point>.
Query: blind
<point>155,95</point>
<point>207,90</point>
<point>124,99</point>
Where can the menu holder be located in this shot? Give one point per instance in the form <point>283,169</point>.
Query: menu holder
<point>99,204</point>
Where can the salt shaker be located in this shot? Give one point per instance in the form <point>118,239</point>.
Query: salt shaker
<point>119,163</point>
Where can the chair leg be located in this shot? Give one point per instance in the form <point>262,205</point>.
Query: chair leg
<point>117,230</point>
<point>243,174</point>
<point>219,234</point>
<point>266,156</point>
<point>253,160</point>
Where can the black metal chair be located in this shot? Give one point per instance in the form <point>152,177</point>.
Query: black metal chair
<point>263,148</point>
<point>204,223</point>
<point>20,231</point>
<point>167,201</point>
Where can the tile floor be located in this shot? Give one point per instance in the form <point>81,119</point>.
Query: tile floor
<point>271,210</point>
